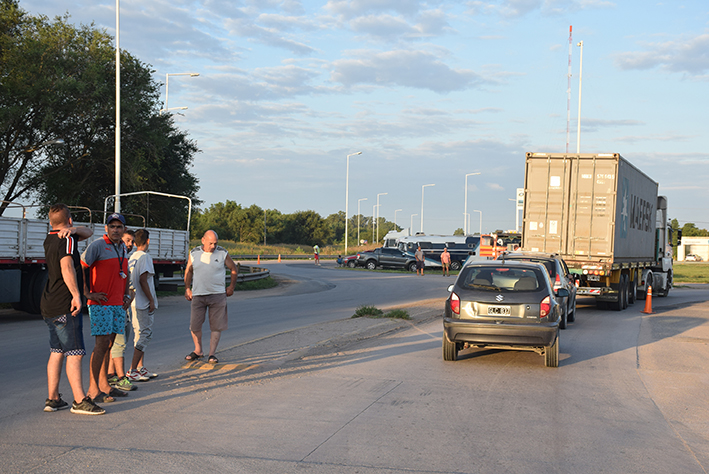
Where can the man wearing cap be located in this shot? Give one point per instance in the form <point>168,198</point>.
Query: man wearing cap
<point>107,290</point>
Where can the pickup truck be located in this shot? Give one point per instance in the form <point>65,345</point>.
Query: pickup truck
<point>386,258</point>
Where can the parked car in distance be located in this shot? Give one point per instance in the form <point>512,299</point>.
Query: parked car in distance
<point>386,258</point>
<point>503,305</point>
<point>560,277</point>
<point>349,261</point>
<point>692,257</point>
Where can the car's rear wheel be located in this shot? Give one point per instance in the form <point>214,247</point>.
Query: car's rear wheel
<point>571,312</point>
<point>351,264</point>
<point>412,266</point>
<point>551,354</point>
<point>371,265</point>
<point>455,265</point>
<point>564,318</point>
<point>450,349</point>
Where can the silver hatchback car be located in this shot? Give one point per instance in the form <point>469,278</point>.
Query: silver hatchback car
<point>503,304</point>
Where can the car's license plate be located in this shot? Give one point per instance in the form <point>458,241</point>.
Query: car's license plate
<point>498,310</point>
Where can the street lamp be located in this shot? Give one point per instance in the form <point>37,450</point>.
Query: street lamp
<point>422,187</point>
<point>411,225</point>
<point>465,212</point>
<point>578,130</point>
<point>380,194</point>
<point>347,195</point>
<point>375,208</point>
<point>358,216</point>
<point>395,211</point>
<point>167,79</point>
<point>481,221</point>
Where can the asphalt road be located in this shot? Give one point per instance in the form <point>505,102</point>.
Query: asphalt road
<point>630,394</point>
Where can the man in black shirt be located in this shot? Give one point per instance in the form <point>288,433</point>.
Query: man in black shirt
<point>61,309</point>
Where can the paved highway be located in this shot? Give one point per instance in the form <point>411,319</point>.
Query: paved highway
<point>630,394</point>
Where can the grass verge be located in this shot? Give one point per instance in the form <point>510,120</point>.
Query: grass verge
<point>374,312</point>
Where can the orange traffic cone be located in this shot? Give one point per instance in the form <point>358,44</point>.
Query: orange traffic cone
<point>648,301</point>
<point>258,260</point>
<point>279,258</point>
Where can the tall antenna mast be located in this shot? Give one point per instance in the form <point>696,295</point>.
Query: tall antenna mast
<point>568,97</point>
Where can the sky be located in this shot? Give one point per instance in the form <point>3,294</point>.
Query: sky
<point>428,91</point>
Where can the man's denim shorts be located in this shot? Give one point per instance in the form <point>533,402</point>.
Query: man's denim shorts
<point>66,334</point>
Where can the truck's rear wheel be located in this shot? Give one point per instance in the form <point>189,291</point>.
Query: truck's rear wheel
<point>455,265</point>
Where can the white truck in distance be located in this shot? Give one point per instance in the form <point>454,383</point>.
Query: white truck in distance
<point>603,216</point>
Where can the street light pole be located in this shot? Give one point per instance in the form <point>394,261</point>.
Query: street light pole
<point>117,202</point>
<point>481,220</point>
<point>578,124</point>
<point>167,86</point>
<point>358,216</point>
<point>422,187</point>
<point>395,211</point>
<point>380,194</point>
<point>465,212</point>
<point>347,196</point>
<point>374,213</point>
<point>411,225</point>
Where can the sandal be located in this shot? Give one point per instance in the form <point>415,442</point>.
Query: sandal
<point>114,392</point>
<point>103,398</point>
<point>193,356</point>
<point>212,359</point>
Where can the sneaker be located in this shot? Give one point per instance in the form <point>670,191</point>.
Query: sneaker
<point>123,384</point>
<point>135,376</point>
<point>113,380</point>
<point>54,405</point>
<point>146,373</point>
<point>87,407</point>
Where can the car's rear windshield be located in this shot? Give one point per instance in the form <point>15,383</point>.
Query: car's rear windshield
<point>550,265</point>
<point>501,278</point>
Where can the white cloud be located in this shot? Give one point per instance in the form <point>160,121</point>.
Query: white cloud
<point>690,56</point>
<point>416,69</point>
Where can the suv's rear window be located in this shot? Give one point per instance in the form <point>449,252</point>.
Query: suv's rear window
<point>501,278</point>
<point>549,264</point>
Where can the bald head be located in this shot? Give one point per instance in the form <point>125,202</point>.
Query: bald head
<point>209,241</point>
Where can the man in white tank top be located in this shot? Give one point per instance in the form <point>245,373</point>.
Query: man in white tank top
<point>205,281</point>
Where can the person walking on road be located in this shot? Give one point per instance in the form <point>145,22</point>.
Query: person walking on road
<point>205,280</point>
<point>419,260</point>
<point>108,293</point>
<point>316,251</point>
<point>61,310</point>
<point>446,261</point>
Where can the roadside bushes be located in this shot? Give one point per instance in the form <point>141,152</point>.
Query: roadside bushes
<point>374,312</point>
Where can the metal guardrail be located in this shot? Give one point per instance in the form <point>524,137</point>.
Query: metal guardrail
<point>245,273</point>
<point>248,273</point>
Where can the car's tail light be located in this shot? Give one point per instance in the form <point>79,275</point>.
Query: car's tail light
<point>557,282</point>
<point>545,307</point>
<point>357,255</point>
<point>455,303</point>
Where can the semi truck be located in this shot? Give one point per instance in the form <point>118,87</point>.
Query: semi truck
<point>604,217</point>
<point>23,271</point>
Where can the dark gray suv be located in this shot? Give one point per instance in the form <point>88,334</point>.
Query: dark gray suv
<point>560,277</point>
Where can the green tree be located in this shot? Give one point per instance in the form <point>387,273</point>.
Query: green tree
<point>458,231</point>
<point>58,81</point>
